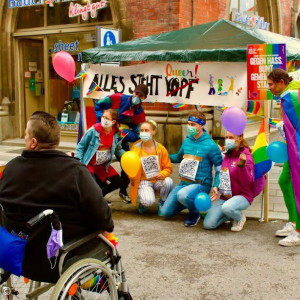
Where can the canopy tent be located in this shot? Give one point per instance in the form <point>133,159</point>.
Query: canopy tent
<point>220,40</point>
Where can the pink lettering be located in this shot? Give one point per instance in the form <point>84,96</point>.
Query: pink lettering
<point>77,9</point>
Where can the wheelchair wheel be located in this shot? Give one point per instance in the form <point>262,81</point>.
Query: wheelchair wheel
<point>86,279</point>
<point>15,288</point>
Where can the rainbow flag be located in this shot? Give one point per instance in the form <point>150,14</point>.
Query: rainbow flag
<point>80,75</point>
<point>253,107</point>
<point>223,107</point>
<point>262,163</point>
<point>179,105</point>
<point>93,87</point>
<point>273,122</point>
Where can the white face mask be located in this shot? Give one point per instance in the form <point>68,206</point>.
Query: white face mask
<point>230,144</point>
<point>136,100</point>
<point>106,123</point>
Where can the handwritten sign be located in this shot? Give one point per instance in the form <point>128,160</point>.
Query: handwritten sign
<point>207,83</point>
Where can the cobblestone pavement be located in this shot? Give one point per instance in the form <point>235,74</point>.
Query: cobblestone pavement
<point>165,260</point>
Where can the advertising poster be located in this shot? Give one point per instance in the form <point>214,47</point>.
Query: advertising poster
<point>261,60</point>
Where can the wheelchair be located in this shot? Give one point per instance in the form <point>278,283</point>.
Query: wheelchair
<point>93,272</point>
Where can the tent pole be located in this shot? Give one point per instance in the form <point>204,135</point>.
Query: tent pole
<point>267,105</point>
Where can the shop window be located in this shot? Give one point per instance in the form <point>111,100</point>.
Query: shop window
<point>29,17</point>
<point>59,14</point>
<point>103,15</point>
<point>65,96</point>
<point>243,6</point>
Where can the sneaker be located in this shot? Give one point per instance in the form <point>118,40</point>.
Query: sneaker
<point>159,207</point>
<point>238,226</point>
<point>142,209</point>
<point>286,230</point>
<point>293,239</point>
<point>125,198</point>
<point>192,220</point>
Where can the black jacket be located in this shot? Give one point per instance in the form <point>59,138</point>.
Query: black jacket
<point>50,179</point>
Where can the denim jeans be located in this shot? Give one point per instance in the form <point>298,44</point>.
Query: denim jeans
<point>182,197</point>
<point>224,210</point>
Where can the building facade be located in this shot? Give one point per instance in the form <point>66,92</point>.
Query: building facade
<point>32,31</point>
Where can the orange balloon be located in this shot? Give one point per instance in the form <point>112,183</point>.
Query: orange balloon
<point>131,163</point>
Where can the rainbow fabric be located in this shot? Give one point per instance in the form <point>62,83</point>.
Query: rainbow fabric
<point>80,75</point>
<point>253,107</point>
<point>291,117</point>
<point>273,122</point>
<point>112,238</point>
<point>93,87</point>
<point>223,107</point>
<point>179,105</point>
<point>262,163</point>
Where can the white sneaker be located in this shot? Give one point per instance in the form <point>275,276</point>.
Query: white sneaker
<point>286,230</point>
<point>293,239</point>
<point>238,226</point>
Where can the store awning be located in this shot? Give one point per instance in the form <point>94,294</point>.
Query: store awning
<point>220,40</point>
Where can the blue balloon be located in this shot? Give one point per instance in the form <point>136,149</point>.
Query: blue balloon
<point>202,202</point>
<point>277,152</point>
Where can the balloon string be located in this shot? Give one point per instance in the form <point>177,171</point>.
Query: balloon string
<point>183,86</point>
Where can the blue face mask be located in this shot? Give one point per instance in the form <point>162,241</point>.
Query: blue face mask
<point>145,136</point>
<point>230,144</point>
<point>136,100</point>
<point>192,130</point>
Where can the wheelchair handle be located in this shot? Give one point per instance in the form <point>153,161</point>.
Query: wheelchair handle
<point>36,219</point>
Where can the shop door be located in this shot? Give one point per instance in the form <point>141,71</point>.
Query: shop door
<point>32,69</point>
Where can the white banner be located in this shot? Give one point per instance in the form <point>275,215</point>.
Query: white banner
<point>205,83</point>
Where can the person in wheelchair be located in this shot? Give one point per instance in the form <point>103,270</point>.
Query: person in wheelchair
<point>46,178</point>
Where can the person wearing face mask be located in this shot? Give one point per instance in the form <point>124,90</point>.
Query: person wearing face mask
<point>131,114</point>
<point>197,155</point>
<point>155,169</point>
<point>236,185</point>
<point>96,150</point>
<point>282,85</point>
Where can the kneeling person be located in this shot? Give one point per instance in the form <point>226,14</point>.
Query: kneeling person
<point>156,168</point>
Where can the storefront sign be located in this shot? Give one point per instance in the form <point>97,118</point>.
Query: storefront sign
<point>254,21</point>
<point>261,60</point>
<point>26,3</point>
<point>71,46</point>
<point>90,9</point>
<point>84,10</point>
<point>207,83</point>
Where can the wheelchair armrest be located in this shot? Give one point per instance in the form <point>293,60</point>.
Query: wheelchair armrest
<point>78,242</point>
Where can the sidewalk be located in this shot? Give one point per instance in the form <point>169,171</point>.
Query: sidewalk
<point>277,209</point>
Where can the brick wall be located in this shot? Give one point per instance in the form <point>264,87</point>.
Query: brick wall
<point>285,7</point>
<point>153,17</point>
<point>195,12</point>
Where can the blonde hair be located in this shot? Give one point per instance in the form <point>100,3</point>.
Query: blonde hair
<point>152,124</point>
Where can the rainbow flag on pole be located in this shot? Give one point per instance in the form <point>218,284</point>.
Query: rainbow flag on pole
<point>80,75</point>
<point>93,87</point>
<point>259,152</point>
<point>273,122</point>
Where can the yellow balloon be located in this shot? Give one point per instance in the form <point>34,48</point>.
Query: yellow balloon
<point>131,163</point>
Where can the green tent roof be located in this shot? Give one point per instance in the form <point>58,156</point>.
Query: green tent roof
<point>220,40</point>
